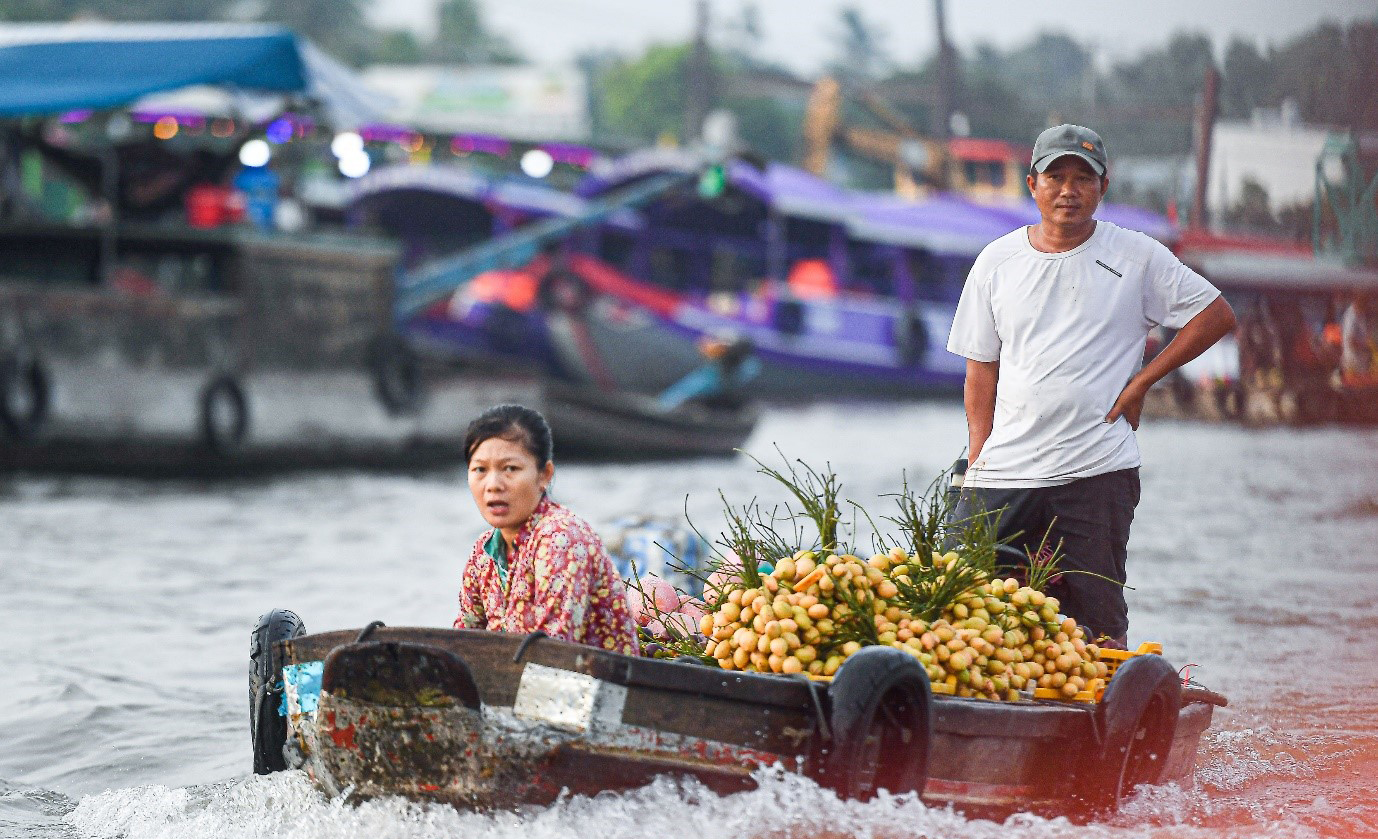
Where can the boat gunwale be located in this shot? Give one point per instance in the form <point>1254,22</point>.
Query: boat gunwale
<point>953,715</point>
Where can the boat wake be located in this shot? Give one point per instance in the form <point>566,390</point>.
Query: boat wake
<point>784,806</point>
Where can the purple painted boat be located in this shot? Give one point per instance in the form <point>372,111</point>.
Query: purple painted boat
<point>777,259</point>
<point>839,292</point>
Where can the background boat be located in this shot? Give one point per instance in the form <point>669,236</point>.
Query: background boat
<point>840,293</point>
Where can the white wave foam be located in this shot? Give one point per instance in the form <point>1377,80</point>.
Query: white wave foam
<point>785,806</point>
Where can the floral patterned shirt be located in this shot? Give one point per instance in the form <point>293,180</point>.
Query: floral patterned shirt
<point>559,580</point>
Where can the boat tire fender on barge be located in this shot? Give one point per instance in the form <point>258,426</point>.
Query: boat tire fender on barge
<point>224,415</point>
<point>396,376</point>
<point>1137,720</point>
<point>25,390</point>
<point>881,708</point>
<point>267,727</point>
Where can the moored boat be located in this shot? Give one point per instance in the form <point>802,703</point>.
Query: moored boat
<point>619,425</point>
<point>1284,364</point>
<point>840,293</point>
<point>489,720</point>
<point>132,343</point>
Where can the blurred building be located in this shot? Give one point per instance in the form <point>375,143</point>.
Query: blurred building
<point>519,103</point>
<point>1275,150</point>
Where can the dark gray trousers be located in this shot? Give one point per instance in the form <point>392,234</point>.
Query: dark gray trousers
<point>1090,519</point>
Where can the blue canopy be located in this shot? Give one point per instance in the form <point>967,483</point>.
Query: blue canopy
<point>52,68</point>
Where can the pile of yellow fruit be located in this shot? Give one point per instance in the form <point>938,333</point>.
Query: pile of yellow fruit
<point>995,638</point>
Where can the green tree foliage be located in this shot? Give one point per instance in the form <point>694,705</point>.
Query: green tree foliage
<point>1170,76</point>
<point>1051,74</point>
<point>117,10</point>
<point>1330,73</point>
<point>643,99</point>
<point>1152,98</point>
<point>397,46</point>
<point>336,26</point>
<point>998,103</point>
<point>767,126</point>
<point>462,38</point>
<point>861,52</point>
<point>1247,81</point>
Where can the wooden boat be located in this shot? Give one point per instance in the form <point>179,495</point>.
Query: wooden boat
<point>489,720</point>
<point>284,357</point>
<point>1280,368</point>
<point>154,346</point>
<point>618,425</point>
<point>840,293</point>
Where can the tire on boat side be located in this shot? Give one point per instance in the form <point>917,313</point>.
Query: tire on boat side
<point>25,391</point>
<point>224,416</point>
<point>396,374</point>
<point>1138,719</point>
<point>267,728</point>
<point>881,724</point>
<point>562,290</point>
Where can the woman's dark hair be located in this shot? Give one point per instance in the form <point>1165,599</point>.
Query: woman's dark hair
<point>516,423</point>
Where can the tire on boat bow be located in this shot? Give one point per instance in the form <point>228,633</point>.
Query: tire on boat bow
<point>1138,720</point>
<point>267,727</point>
<point>881,723</point>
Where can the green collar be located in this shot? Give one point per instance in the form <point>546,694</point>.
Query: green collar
<point>496,549</point>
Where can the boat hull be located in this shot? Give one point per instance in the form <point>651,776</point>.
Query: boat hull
<point>251,352</point>
<point>540,716</point>
<point>592,423</point>
<point>622,333</point>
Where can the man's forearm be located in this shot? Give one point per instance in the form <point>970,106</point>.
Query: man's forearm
<point>1209,326</point>
<point>978,396</point>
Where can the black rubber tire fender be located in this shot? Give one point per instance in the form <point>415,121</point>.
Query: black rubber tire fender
<point>220,395</point>
<point>911,338</point>
<point>562,290</point>
<point>25,395</point>
<point>396,375</point>
<point>1137,718</point>
<point>267,728</point>
<point>881,725</point>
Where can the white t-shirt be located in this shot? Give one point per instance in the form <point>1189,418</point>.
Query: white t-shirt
<point>1068,330</point>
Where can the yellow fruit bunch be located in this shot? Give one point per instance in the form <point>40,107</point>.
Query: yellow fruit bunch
<point>1003,638</point>
<point>806,616</point>
<point>994,639</point>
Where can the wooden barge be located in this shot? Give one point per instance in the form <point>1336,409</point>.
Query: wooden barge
<point>219,351</point>
<point>488,720</point>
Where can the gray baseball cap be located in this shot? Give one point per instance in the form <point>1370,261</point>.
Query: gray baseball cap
<point>1069,139</point>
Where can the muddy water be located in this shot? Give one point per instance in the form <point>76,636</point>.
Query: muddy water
<point>125,609</point>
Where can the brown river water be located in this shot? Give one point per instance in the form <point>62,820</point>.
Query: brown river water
<point>126,606</point>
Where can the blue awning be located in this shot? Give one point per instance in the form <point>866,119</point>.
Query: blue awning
<point>52,68</point>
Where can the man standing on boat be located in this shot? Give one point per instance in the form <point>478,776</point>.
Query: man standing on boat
<point>1052,322</point>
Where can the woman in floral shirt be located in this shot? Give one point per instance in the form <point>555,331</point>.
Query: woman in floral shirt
<point>540,566</point>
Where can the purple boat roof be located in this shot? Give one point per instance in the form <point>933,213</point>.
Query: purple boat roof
<point>943,223</point>
<point>788,189</point>
<point>464,185</point>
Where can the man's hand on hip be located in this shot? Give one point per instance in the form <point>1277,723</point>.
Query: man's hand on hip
<point>1208,326</point>
<point>1129,404</point>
